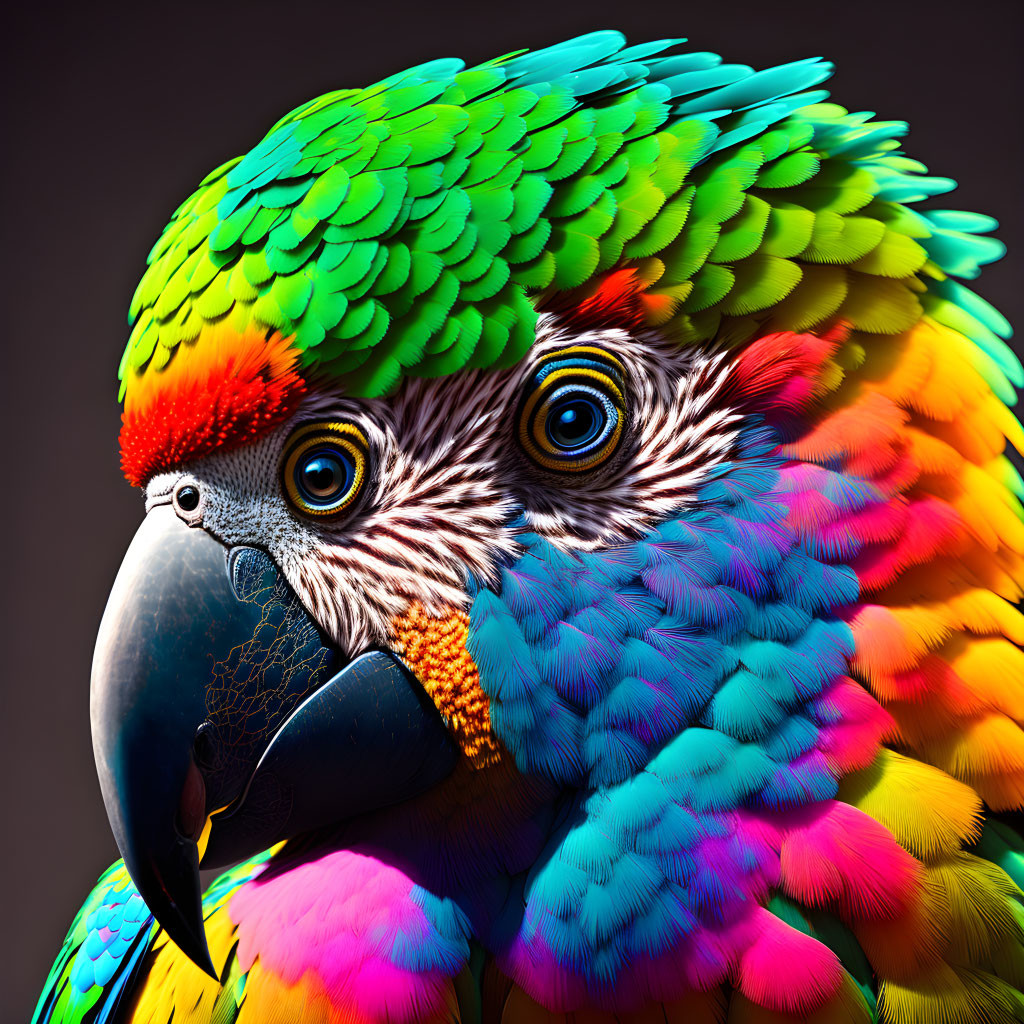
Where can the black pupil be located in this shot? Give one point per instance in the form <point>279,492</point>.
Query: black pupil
<point>188,498</point>
<point>324,476</point>
<point>573,422</point>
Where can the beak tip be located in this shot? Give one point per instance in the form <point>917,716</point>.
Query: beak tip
<point>205,964</point>
<point>192,942</point>
<point>171,889</point>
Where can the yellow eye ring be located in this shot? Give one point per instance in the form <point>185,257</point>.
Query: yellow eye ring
<point>572,418</point>
<point>324,467</point>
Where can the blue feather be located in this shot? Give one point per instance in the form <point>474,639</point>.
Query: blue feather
<point>743,708</point>
<point>676,680</point>
<point>793,738</point>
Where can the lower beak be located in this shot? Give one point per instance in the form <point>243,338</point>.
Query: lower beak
<point>213,690</point>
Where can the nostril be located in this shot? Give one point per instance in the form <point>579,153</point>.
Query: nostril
<point>187,498</point>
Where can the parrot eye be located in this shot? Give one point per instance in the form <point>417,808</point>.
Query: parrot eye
<point>187,498</point>
<point>572,416</point>
<point>324,467</point>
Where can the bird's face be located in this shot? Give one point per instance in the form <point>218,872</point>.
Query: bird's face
<point>286,644</point>
<point>369,506</point>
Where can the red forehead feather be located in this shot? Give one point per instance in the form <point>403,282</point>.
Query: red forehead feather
<point>614,300</point>
<point>219,392</point>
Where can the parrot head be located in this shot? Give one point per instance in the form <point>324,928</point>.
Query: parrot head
<point>290,641</point>
<point>471,411</point>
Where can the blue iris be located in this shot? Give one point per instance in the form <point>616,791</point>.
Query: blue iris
<point>324,475</point>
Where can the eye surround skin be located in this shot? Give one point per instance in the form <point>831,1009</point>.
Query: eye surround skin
<point>572,416</point>
<point>324,467</point>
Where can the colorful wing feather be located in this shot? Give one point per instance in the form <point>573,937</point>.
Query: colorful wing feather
<point>100,955</point>
<point>113,943</point>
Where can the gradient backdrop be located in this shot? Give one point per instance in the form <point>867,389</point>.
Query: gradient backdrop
<point>117,115</point>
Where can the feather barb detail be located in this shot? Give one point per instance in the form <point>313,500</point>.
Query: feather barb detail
<point>220,392</point>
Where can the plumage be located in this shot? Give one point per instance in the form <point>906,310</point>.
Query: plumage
<point>735,681</point>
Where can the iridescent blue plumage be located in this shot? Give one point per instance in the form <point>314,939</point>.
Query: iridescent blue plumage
<point>716,628</point>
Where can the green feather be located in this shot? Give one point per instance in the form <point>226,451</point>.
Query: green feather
<point>539,171</point>
<point>761,281</point>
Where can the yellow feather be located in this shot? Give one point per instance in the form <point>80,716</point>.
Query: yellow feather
<point>950,995</point>
<point>1002,792</point>
<point>992,668</point>
<point>971,902</point>
<point>974,438</point>
<point>1003,574</point>
<point>953,383</point>
<point>895,366</point>
<point>1006,422</point>
<point>928,812</point>
<point>925,627</point>
<point>268,1000</point>
<point>991,744</point>
<point>980,611</point>
<point>954,605</point>
<point>175,987</point>
<point>1007,960</point>
<point>987,509</point>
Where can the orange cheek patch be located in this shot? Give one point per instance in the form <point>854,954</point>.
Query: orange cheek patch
<point>435,650</point>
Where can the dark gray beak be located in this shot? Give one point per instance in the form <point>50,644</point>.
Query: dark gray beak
<point>213,690</point>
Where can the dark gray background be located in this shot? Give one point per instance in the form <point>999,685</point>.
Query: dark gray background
<point>117,114</point>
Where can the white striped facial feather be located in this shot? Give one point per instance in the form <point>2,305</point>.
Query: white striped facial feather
<point>448,476</point>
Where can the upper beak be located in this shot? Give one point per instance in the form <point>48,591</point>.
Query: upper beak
<point>213,690</point>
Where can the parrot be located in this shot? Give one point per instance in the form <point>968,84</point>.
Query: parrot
<point>579,571</point>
